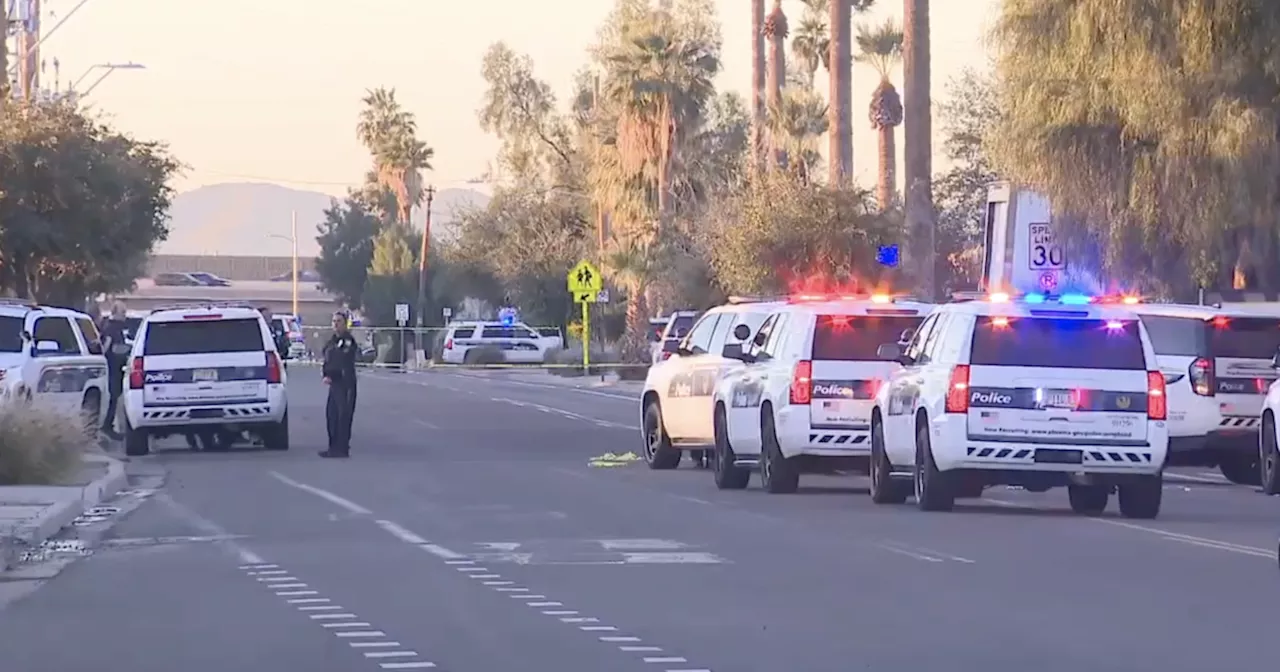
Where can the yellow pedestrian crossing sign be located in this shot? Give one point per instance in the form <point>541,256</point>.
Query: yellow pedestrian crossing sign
<point>584,278</point>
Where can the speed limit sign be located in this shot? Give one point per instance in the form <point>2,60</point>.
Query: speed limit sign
<point>1045,252</point>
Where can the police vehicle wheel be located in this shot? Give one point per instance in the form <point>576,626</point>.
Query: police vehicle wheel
<point>1241,469</point>
<point>1141,498</point>
<point>1088,500</point>
<point>136,442</point>
<point>932,487</point>
<point>884,490</point>
<point>728,475</point>
<point>1270,457</point>
<point>778,475</point>
<point>658,452</point>
<point>276,437</point>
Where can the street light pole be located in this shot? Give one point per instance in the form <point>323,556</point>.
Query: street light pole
<point>293,230</point>
<point>422,268</point>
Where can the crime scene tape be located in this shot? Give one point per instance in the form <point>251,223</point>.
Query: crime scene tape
<point>614,460</point>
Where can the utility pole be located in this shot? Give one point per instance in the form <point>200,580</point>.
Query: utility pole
<point>422,269</point>
<point>29,50</point>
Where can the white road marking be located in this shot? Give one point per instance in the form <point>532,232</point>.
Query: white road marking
<point>322,494</point>
<point>328,607</point>
<point>308,600</point>
<point>529,597</point>
<point>472,569</point>
<point>320,617</point>
<point>909,554</point>
<point>545,604</point>
<point>498,583</point>
<point>667,659</point>
<point>248,558</point>
<point>424,423</point>
<point>579,619</point>
<point>441,552</point>
<point>267,572</point>
<point>640,649</point>
<point>407,666</point>
<point>296,593</point>
<point>459,562</point>
<point>513,590</point>
<point>560,612</point>
<point>391,654</point>
<point>362,634</point>
<point>287,585</point>
<point>353,624</point>
<point>619,638</point>
<point>483,576</point>
<point>374,645</point>
<point>1219,480</point>
<point>401,533</point>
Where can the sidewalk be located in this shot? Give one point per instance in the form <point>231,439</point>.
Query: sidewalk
<point>31,514</point>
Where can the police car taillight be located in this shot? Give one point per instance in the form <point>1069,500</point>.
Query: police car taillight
<point>802,383</point>
<point>273,367</point>
<point>136,374</point>
<point>958,390</point>
<point>1201,374</point>
<point>1157,402</point>
<point>448,344</point>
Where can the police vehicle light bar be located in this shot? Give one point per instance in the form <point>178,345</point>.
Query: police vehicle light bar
<point>1070,299</point>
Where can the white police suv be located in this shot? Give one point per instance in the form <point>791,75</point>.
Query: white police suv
<point>1036,392</point>
<point>205,368</point>
<point>803,401</point>
<point>1217,365</point>
<point>675,405</point>
<point>52,355</point>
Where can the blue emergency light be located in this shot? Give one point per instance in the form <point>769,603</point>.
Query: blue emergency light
<point>887,256</point>
<point>507,316</point>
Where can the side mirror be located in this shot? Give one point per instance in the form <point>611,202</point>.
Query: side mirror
<point>47,347</point>
<point>741,332</point>
<point>905,338</point>
<point>1275,361</point>
<point>734,351</point>
<point>671,346</point>
<point>890,352</point>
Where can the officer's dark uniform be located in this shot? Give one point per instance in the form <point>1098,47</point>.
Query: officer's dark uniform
<point>116,348</point>
<point>340,354</point>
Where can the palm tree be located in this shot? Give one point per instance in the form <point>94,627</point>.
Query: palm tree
<point>4,54</point>
<point>796,123</point>
<point>811,44</point>
<point>840,138</point>
<point>391,135</point>
<point>881,48</point>
<point>757,81</point>
<point>775,28</point>
<point>632,262</point>
<point>918,150</point>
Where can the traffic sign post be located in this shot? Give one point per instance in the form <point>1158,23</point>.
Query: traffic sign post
<point>586,285</point>
<point>402,313</point>
<point>402,318</point>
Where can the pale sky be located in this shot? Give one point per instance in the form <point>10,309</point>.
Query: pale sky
<point>269,90</point>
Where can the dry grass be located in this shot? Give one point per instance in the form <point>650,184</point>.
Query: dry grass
<point>38,445</point>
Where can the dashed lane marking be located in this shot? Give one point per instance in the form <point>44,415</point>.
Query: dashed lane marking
<point>468,567</point>
<point>345,625</point>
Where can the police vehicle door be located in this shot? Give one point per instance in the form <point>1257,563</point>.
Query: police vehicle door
<point>747,395</point>
<point>899,419</point>
<point>692,381</point>
<point>1242,348</point>
<point>66,372</point>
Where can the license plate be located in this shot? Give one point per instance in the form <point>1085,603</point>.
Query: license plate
<point>206,413</point>
<point>1059,399</point>
<point>1058,456</point>
<point>205,375</point>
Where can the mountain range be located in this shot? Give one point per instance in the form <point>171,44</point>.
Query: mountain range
<point>253,218</point>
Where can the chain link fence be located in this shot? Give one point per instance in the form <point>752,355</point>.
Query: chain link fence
<point>430,347</point>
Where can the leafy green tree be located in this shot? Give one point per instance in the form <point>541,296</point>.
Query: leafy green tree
<point>82,205</point>
<point>346,248</point>
<point>968,115</point>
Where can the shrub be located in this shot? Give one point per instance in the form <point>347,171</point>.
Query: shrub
<point>39,445</point>
<point>484,355</point>
<point>570,362</point>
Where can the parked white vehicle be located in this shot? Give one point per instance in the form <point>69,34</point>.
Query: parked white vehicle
<point>519,343</point>
<point>52,355</point>
<point>802,403</point>
<point>1040,392</point>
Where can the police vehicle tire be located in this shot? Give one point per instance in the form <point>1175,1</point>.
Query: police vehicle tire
<point>884,490</point>
<point>1270,457</point>
<point>276,437</point>
<point>778,474</point>
<point>1241,469</point>
<point>658,451</point>
<point>136,441</point>
<point>932,487</point>
<point>728,475</point>
<point>1088,500</point>
<point>1141,498</point>
<point>91,412</point>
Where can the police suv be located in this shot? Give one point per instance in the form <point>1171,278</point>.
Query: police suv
<point>210,367</point>
<point>675,405</point>
<point>1037,392</point>
<point>52,355</point>
<point>803,401</point>
<point>519,343</point>
<point>1217,365</point>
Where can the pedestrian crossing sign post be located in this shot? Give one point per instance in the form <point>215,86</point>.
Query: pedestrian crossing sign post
<point>586,284</point>
<point>402,313</point>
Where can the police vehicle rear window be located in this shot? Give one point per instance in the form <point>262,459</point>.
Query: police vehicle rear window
<point>1058,343</point>
<point>505,332</point>
<point>11,334</point>
<point>856,338</point>
<point>203,337</point>
<point>1176,336</point>
<point>131,325</point>
<point>684,322</point>
<point>1245,337</point>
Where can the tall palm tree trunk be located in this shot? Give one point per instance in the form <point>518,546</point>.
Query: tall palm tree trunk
<point>918,147</point>
<point>887,176</point>
<point>635,342</point>
<point>757,82</point>
<point>776,29</point>
<point>840,114</point>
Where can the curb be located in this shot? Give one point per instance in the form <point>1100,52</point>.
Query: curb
<point>61,514</point>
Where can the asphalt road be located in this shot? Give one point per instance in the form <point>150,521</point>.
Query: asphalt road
<point>469,532</point>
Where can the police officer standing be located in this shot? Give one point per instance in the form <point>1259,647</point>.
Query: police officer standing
<point>278,334</point>
<point>115,343</point>
<point>339,370</point>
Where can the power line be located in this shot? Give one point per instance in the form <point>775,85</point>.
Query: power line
<point>322,183</point>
